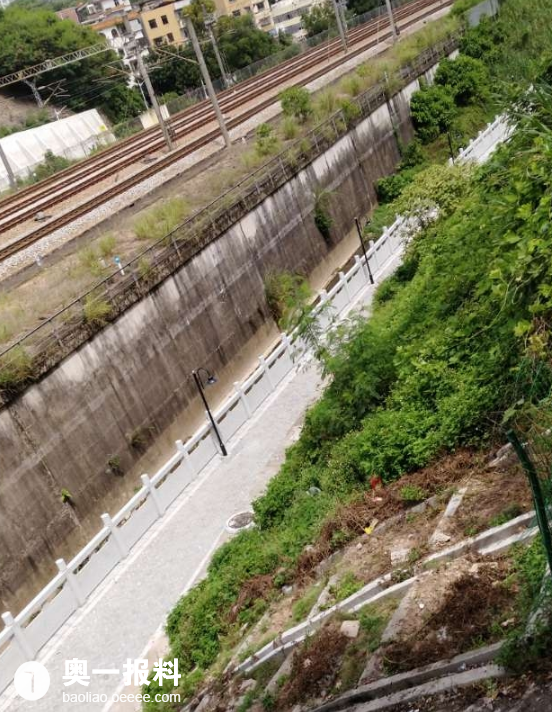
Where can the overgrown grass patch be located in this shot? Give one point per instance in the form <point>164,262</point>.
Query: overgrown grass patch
<point>157,222</point>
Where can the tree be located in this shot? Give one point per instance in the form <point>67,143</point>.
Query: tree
<point>29,37</point>
<point>359,7</point>
<point>319,19</point>
<point>197,11</point>
<point>432,110</point>
<point>240,43</point>
<point>296,102</point>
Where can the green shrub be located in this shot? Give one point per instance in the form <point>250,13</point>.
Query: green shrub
<point>413,494</point>
<point>412,155</point>
<point>466,78</point>
<point>389,188</point>
<point>296,102</point>
<point>350,110</point>
<point>432,110</point>
<point>286,294</point>
<point>50,165</point>
<point>322,218</point>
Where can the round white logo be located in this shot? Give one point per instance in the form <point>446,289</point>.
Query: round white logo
<point>31,681</point>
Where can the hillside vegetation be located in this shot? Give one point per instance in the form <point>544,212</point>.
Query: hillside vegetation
<point>457,336</point>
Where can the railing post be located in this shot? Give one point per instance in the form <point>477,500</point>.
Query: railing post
<point>186,457</point>
<point>287,344</point>
<point>153,494</point>
<point>267,373</point>
<point>373,246</point>
<point>19,635</point>
<point>108,522</point>
<point>363,267</point>
<point>243,398</point>
<point>345,285</point>
<point>71,581</point>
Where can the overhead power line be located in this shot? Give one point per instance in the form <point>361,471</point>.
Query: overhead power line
<point>53,64</point>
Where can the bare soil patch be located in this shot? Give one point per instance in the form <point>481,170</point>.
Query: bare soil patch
<point>466,605</point>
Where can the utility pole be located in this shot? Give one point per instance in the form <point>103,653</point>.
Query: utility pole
<point>147,83</point>
<point>209,21</point>
<point>394,29</point>
<point>207,79</point>
<point>338,17</point>
<point>7,166</point>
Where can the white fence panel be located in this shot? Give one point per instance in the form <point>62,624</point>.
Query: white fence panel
<point>232,420</point>
<point>203,452</point>
<point>51,617</point>
<point>142,518</point>
<point>10,659</point>
<point>356,282</point>
<point>281,366</point>
<point>97,568</point>
<point>339,296</point>
<point>257,390</point>
<point>174,484</point>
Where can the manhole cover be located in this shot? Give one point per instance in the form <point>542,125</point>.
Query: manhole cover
<point>243,520</point>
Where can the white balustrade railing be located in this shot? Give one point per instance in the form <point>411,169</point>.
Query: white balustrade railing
<point>484,143</point>
<point>25,634</point>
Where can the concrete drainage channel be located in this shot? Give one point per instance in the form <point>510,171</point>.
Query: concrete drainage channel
<point>490,542</point>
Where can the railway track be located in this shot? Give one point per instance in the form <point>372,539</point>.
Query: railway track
<point>23,205</point>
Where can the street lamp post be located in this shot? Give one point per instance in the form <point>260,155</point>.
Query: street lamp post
<point>359,230</point>
<point>199,383</point>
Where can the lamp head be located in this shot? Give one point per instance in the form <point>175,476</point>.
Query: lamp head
<point>211,380</point>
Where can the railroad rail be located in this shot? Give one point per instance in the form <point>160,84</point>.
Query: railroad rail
<point>21,206</point>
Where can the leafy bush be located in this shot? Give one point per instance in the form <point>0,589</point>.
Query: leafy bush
<point>412,155</point>
<point>50,165</point>
<point>350,110</point>
<point>322,218</point>
<point>286,294</point>
<point>296,102</point>
<point>466,78</point>
<point>413,494</point>
<point>389,188</point>
<point>432,110</point>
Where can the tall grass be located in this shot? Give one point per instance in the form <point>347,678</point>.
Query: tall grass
<point>161,219</point>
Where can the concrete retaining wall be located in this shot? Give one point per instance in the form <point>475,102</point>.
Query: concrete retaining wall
<point>134,375</point>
